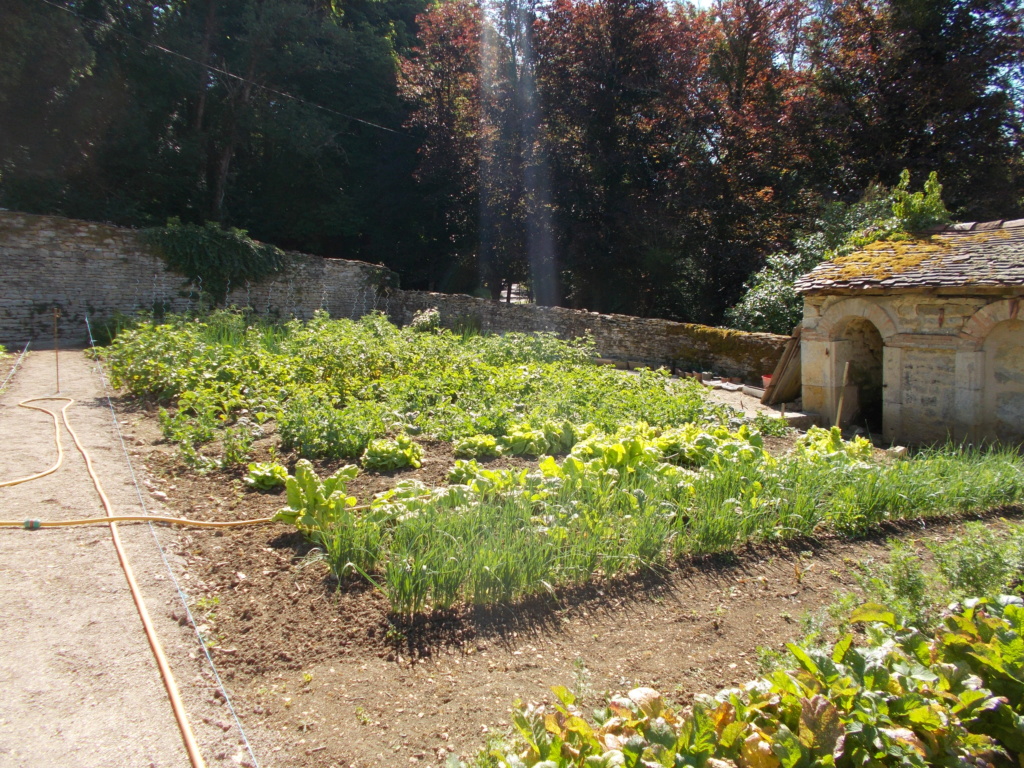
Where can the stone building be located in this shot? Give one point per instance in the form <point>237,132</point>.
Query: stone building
<point>922,339</point>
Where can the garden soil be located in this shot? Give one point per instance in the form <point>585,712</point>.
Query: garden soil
<point>319,672</point>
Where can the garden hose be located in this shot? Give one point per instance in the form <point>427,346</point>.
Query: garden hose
<point>35,525</point>
<point>187,736</point>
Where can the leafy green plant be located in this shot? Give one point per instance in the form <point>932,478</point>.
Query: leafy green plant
<point>388,455</point>
<point>237,446</point>
<point>912,213</point>
<point>901,584</point>
<point>477,447</point>
<point>194,459</point>
<point>426,320</point>
<point>772,426</point>
<point>266,476</point>
<point>464,472</point>
<point>900,698</point>
<point>828,445</point>
<point>327,515</point>
<point>312,502</point>
<point>981,561</point>
<point>315,428</point>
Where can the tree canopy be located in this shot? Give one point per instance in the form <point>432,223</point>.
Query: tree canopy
<point>635,156</point>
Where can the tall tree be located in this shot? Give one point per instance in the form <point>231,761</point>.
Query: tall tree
<point>600,77</point>
<point>925,85</point>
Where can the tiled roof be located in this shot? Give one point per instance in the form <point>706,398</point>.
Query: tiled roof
<point>959,255</point>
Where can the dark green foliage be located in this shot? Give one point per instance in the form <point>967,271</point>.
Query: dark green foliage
<point>948,696</point>
<point>772,305</point>
<point>636,156</point>
<point>214,258</point>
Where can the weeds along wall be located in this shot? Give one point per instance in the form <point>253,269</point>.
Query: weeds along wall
<point>88,268</point>
<point>639,340</point>
<point>84,268</point>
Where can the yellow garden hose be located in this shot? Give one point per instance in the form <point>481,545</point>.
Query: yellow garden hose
<point>34,525</point>
<point>110,518</point>
<point>154,642</point>
<point>56,438</point>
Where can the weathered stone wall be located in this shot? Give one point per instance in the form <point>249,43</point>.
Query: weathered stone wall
<point>84,268</point>
<point>649,341</point>
<point>940,379</point>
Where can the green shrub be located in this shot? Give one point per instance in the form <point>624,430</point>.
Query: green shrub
<point>980,562</point>
<point>901,584</point>
<point>426,320</point>
<point>316,429</point>
<point>237,446</point>
<point>770,302</point>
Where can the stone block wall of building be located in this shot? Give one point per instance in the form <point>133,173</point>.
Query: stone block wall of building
<point>941,363</point>
<point>649,341</point>
<point>96,270</point>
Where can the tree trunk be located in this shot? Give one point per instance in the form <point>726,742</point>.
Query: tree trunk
<point>204,57</point>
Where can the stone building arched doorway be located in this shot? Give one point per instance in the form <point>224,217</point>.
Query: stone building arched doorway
<point>858,343</point>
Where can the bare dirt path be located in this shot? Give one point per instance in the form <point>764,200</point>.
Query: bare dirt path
<point>78,683</point>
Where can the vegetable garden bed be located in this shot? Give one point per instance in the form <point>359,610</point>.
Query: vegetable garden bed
<point>437,555</point>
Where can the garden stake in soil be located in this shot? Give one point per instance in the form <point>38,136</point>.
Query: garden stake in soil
<point>56,349</point>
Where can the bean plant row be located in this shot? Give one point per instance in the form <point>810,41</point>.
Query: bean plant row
<point>621,503</point>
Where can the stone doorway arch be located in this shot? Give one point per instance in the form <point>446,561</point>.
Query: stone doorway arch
<point>857,351</point>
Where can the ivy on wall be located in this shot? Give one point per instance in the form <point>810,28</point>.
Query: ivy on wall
<point>214,258</point>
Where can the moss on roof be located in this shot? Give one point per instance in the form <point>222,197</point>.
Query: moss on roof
<point>989,254</point>
<point>885,258</point>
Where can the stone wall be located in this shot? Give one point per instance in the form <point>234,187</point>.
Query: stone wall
<point>647,341</point>
<point>84,268</point>
<point>945,374</point>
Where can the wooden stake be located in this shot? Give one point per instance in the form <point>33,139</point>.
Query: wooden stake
<point>842,395</point>
<point>56,350</point>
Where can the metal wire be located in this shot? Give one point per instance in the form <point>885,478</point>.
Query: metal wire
<point>16,364</point>
<point>270,295</point>
<point>163,556</point>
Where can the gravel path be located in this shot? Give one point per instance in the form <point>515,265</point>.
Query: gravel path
<point>78,682</point>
